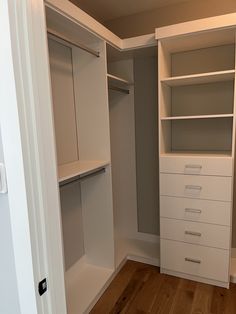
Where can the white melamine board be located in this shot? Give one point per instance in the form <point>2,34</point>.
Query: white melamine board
<point>196,233</point>
<point>77,168</point>
<point>122,128</point>
<point>133,248</point>
<point>71,20</point>
<point>201,25</point>
<point>211,212</point>
<point>72,223</point>
<point>220,58</point>
<point>139,42</point>
<point>84,282</point>
<point>202,134</point>
<point>91,98</point>
<point>116,79</point>
<point>210,166</point>
<point>203,99</point>
<point>197,187</point>
<point>63,102</point>
<point>197,153</point>
<point>199,117</point>
<point>214,263</point>
<point>97,211</point>
<point>202,78</point>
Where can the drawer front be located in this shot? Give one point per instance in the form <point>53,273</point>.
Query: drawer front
<point>196,233</point>
<point>195,260</point>
<point>213,212</point>
<point>197,165</point>
<point>202,187</point>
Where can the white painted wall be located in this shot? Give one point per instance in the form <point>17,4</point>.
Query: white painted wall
<point>9,300</point>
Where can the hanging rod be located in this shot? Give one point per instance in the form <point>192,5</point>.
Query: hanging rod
<point>78,45</point>
<point>119,89</point>
<point>82,177</point>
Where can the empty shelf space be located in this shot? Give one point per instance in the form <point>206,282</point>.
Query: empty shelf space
<point>116,79</point>
<point>138,250</point>
<point>198,117</point>
<point>79,168</point>
<point>84,285</point>
<point>202,78</point>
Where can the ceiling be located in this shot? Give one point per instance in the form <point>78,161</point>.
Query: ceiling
<point>104,10</point>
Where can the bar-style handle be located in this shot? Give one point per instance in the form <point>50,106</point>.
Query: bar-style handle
<point>193,187</point>
<point>193,210</point>
<point>193,166</point>
<point>193,233</point>
<point>193,260</point>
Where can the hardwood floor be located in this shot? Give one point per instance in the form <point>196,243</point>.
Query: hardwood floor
<point>140,288</point>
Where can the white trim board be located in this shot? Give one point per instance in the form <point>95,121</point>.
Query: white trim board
<point>202,25</point>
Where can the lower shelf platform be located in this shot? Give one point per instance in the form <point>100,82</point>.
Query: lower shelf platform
<point>137,250</point>
<point>85,283</point>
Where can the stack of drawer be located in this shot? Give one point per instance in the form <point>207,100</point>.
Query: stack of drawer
<point>195,210</point>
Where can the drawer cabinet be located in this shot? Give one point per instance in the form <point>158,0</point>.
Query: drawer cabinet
<point>195,260</point>
<point>208,211</point>
<point>195,233</point>
<point>202,187</point>
<point>197,165</point>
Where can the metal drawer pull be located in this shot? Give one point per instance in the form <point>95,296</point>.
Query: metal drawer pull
<point>193,166</point>
<point>197,234</point>
<point>193,187</point>
<point>192,260</point>
<point>192,210</point>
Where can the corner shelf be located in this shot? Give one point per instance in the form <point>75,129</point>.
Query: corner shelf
<point>79,168</point>
<point>203,78</point>
<point>213,116</point>
<point>118,84</point>
<point>117,79</point>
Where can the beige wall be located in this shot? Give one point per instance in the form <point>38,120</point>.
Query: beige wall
<point>146,22</point>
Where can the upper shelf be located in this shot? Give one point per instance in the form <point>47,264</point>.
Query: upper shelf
<point>213,116</point>
<point>202,78</point>
<point>116,79</point>
<point>79,168</point>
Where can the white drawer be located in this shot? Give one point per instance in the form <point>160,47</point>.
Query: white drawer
<point>195,260</point>
<point>195,233</point>
<point>214,212</point>
<point>203,187</point>
<point>216,166</point>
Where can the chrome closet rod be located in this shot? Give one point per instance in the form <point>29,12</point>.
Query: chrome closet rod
<point>82,177</point>
<point>78,45</point>
<point>119,89</point>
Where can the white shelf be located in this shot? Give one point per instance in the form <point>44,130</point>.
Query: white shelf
<point>213,116</point>
<point>202,78</point>
<point>197,153</point>
<point>84,285</point>
<point>117,79</point>
<point>79,168</point>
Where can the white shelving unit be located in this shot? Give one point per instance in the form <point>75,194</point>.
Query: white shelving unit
<point>196,142</point>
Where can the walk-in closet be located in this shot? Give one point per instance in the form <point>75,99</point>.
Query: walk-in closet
<point>144,134</point>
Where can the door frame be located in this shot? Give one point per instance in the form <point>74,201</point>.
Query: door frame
<point>26,121</point>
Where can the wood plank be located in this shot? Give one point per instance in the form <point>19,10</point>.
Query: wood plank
<point>202,299</point>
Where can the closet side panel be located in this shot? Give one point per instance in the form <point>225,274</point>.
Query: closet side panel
<point>145,72</point>
<point>63,102</point>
